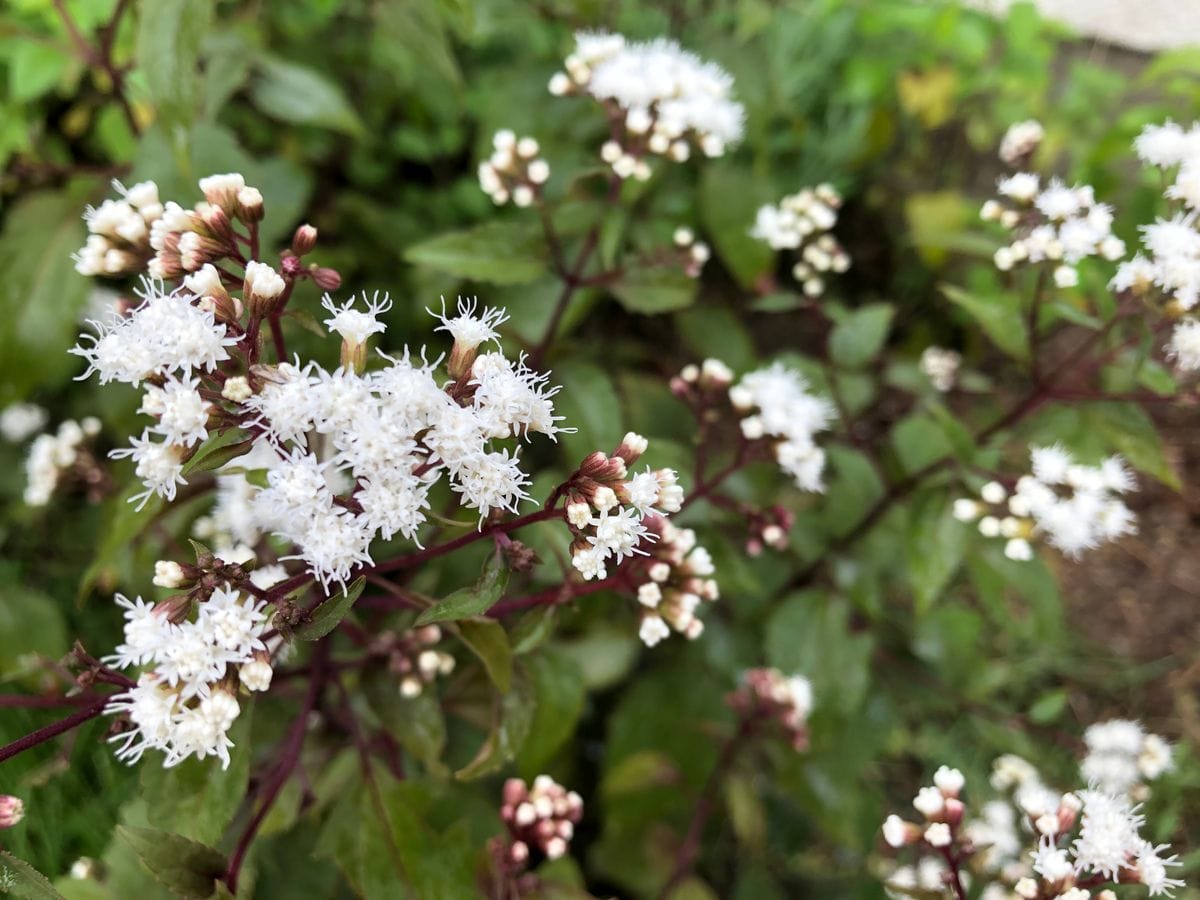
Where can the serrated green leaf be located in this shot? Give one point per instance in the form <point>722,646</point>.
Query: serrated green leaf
<point>470,601</point>
<point>197,799</point>
<point>189,868</point>
<point>21,879</point>
<point>559,692</point>
<point>936,545</point>
<point>330,613</point>
<point>498,252</point>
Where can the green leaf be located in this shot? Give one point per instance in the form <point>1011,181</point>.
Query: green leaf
<point>21,879</point>
<point>778,301</point>
<point>860,335</point>
<point>747,814</point>
<point>187,867</point>
<point>41,296</point>
<point>488,641</point>
<point>729,199</point>
<point>936,545</point>
<point>498,252</point>
<point>653,290</point>
<point>470,601</point>
<point>512,717</point>
<point>170,33</point>
<point>1131,431</point>
<point>34,68</point>
<point>810,634</point>
<point>558,688</point>
<point>330,613</point>
<point>217,450</point>
<point>417,722</point>
<point>999,316</point>
<point>919,441</point>
<point>124,523</point>
<point>301,95</point>
<point>533,628</point>
<point>197,799</point>
<point>1049,706</point>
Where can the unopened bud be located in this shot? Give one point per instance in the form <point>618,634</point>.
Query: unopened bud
<point>12,810</point>
<point>250,205</point>
<point>326,279</point>
<point>304,240</point>
<point>169,574</point>
<point>263,287</point>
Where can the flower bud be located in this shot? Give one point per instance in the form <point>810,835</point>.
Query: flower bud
<point>326,279</point>
<point>12,810</point>
<point>304,240</point>
<point>263,287</point>
<point>250,205</point>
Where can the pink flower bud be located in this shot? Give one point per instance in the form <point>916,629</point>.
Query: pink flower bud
<point>304,240</point>
<point>12,810</point>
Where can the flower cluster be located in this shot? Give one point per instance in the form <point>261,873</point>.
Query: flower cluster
<point>414,658</point>
<point>1122,756</point>
<point>354,456</point>
<point>679,578</point>
<point>694,253</point>
<point>941,367</point>
<point>607,507</point>
<point>1051,223</point>
<point>514,171</point>
<point>802,222</point>
<point>540,819</point>
<point>119,231</point>
<point>768,696</point>
<point>661,99</point>
<point>1080,840</point>
<point>776,407</point>
<point>1169,272</point>
<point>20,421</point>
<point>1072,506</point>
<point>185,704</point>
<point>185,240</point>
<point>54,456</point>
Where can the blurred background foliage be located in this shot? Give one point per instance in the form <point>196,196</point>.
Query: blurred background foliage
<point>367,118</point>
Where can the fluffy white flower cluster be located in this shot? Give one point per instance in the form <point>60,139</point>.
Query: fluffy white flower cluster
<point>119,231</point>
<point>679,579</point>
<point>540,818</point>
<point>20,421</point>
<point>1051,223</point>
<point>1072,506</point>
<point>53,454</point>
<point>1169,271</point>
<point>185,704</point>
<point>802,222</point>
<point>608,508</point>
<point>1107,844</point>
<point>514,171</point>
<point>941,367</point>
<point>391,435</point>
<point>414,657</point>
<point>785,701</point>
<point>1020,142</point>
<point>695,253</point>
<point>775,406</point>
<point>664,100</point>
<point>1122,756</point>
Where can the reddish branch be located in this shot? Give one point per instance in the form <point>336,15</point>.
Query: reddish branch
<point>95,708</point>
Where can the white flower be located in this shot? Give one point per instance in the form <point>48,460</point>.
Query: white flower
<point>183,413</point>
<point>940,366</point>
<point>21,420</point>
<point>355,326</point>
<point>158,465</point>
<point>1184,345</point>
<point>653,630</point>
<point>1151,869</point>
<point>468,329</point>
<point>262,281</point>
<point>949,781</point>
<point>165,334</point>
<point>895,831</point>
<point>929,801</point>
<point>1108,834</point>
<point>1021,139</point>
